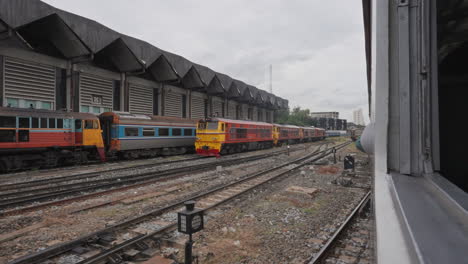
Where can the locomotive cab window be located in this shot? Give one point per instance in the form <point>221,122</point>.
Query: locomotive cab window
<point>212,125</point>
<point>131,132</point>
<point>223,126</point>
<point>7,121</point>
<point>89,124</point>
<point>201,125</point>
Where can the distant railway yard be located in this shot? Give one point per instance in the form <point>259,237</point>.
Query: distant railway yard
<point>281,205</point>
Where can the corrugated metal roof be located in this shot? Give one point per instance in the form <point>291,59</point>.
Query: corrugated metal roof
<point>124,52</point>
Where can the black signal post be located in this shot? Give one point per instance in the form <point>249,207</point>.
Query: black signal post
<point>189,221</point>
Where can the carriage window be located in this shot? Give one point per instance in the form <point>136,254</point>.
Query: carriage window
<point>23,135</point>
<point>163,132</point>
<point>51,122</point>
<point>7,121</point>
<point>78,124</point>
<point>187,132</point>
<point>148,132</point>
<point>176,132</point>
<point>59,123</point>
<point>7,135</point>
<point>131,132</point>
<point>88,124</point>
<point>241,133</point>
<point>35,122</point>
<point>23,122</point>
<point>212,125</point>
<point>43,122</point>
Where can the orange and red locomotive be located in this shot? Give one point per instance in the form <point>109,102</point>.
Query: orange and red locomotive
<point>41,138</point>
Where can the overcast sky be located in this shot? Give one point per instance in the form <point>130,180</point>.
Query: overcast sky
<point>316,47</point>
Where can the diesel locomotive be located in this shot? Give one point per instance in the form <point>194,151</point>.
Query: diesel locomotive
<point>219,136</point>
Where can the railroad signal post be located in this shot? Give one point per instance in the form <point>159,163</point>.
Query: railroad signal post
<point>189,222</point>
<point>349,162</point>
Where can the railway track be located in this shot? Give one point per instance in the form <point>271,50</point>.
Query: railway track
<point>89,188</point>
<point>325,251</point>
<point>87,175</point>
<point>113,243</point>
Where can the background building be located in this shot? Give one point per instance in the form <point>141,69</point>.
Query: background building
<point>52,59</point>
<point>358,117</point>
<point>334,115</point>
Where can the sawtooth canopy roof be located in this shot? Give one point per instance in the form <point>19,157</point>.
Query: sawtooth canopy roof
<point>248,94</point>
<point>236,88</point>
<point>62,34</point>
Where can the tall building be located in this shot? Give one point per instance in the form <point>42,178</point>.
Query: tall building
<point>358,117</point>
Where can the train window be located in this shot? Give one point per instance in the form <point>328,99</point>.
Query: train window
<point>78,124</point>
<point>51,122</point>
<point>7,121</point>
<point>131,132</point>
<point>23,135</point>
<point>201,125</point>
<point>88,124</point>
<point>23,122</point>
<point>59,123</point>
<point>35,122</point>
<point>148,132</point>
<point>212,125</point>
<point>66,123</point>
<point>176,132</point>
<point>43,122</point>
<point>241,133</point>
<point>223,127</point>
<point>187,132</point>
<point>7,135</point>
<point>164,132</point>
<point>95,124</point>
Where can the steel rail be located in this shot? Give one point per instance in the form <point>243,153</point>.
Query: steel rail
<point>88,175</point>
<point>64,247</point>
<point>107,253</point>
<point>322,254</point>
<point>128,181</point>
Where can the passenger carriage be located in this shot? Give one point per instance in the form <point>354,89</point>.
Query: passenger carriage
<point>134,136</point>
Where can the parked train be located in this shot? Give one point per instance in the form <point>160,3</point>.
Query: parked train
<point>33,138</point>
<point>219,136</point>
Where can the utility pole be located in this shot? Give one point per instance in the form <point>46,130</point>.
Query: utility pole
<point>271,78</point>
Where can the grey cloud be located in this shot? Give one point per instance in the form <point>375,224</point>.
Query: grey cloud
<point>316,47</point>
